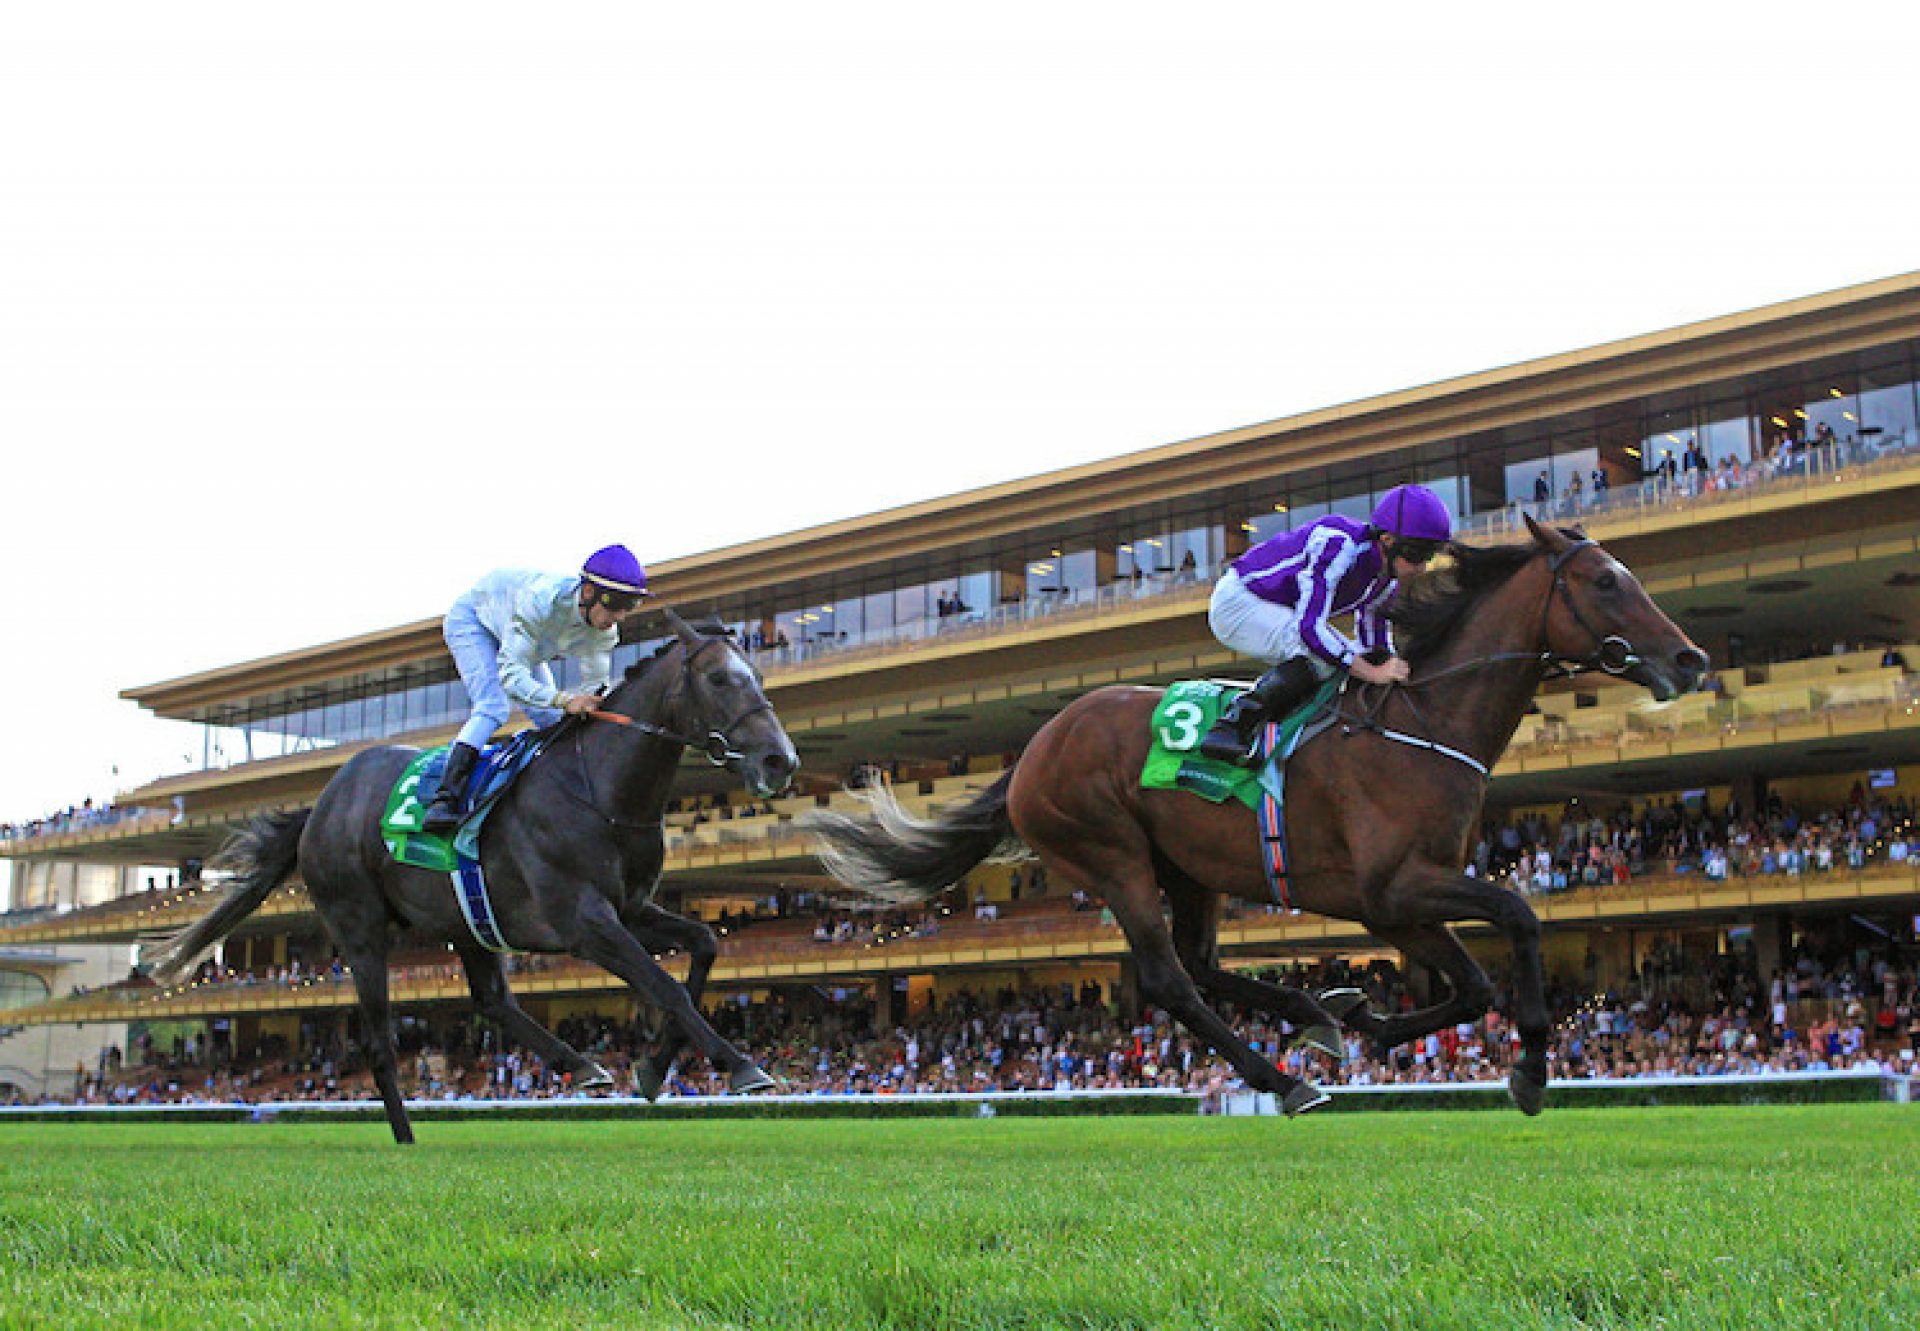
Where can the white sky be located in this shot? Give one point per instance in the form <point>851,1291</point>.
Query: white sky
<point>307,318</point>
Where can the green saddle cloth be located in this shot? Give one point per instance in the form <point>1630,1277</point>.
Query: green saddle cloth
<point>1188,711</point>
<point>400,824</point>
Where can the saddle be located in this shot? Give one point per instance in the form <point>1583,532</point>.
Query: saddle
<point>492,777</point>
<point>1187,712</point>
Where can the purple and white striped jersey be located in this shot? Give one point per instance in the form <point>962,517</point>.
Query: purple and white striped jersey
<point>1323,570</point>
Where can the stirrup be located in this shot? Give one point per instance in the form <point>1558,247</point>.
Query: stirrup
<point>1228,743</point>
<point>1225,749</point>
<point>440,819</point>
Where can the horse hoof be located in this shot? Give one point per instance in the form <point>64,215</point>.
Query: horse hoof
<point>1323,1039</point>
<point>593,1077</point>
<point>650,1081</point>
<point>1303,1098</point>
<point>1337,1003</point>
<point>1528,1094</point>
<point>750,1079</point>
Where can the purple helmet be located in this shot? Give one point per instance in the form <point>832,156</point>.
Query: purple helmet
<point>615,569</point>
<point>1415,512</point>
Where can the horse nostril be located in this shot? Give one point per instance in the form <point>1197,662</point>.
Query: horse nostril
<point>1693,663</point>
<point>778,764</point>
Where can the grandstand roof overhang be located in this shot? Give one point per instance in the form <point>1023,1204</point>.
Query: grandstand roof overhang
<point>1836,323</point>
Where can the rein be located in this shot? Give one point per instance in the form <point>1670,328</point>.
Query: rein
<point>717,746</point>
<point>1369,723</point>
<point>1611,654</point>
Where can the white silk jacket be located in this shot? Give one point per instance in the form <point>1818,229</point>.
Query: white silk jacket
<point>536,618</point>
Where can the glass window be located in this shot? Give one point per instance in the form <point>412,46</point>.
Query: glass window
<point>963,599</point>
<point>792,634</point>
<point>1531,480</point>
<point>1146,554</point>
<point>876,611</point>
<point>1078,575</point>
<point>1044,576</point>
<point>1357,506</point>
<point>1195,553</point>
<point>1668,435</point>
<point>975,591</point>
<point>1727,434</point>
<point>1573,470</point>
<point>1831,413</point>
<point>1261,525</point>
<point>827,623</point>
<point>1889,415</point>
<point>912,606</point>
<point>968,598</point>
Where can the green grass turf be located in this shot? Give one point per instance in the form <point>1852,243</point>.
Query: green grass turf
<point>1712,1217</point>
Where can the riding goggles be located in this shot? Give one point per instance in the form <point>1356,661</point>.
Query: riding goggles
<point>1415,551</point>
<point>618,602</point>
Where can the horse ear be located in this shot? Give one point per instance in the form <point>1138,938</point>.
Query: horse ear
<point>1549,537</point>
<point>682,629</point>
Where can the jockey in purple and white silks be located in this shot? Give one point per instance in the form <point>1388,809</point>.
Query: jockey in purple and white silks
<point>1276,604</point>
<point>503,632</point>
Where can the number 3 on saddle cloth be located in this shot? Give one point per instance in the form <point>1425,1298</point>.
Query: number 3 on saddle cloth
<point>458,856</point>
<point>1188,712</point>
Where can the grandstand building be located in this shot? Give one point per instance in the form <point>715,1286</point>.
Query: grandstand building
<point>1760,471</point>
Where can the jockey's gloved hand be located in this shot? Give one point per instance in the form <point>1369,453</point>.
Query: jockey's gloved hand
<point>1391,671</point>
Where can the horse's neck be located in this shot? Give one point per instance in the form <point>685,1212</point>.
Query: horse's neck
<point>1484,703</point>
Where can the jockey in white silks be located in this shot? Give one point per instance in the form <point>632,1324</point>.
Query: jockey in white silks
<point>502,634</point>
<point>1275,604</point>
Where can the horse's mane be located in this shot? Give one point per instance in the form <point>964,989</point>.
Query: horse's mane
<point>708,628</point>
<point>1431,606</point>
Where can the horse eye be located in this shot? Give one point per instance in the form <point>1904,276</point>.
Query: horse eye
<point>719,679</point>
<point>1606,582</point>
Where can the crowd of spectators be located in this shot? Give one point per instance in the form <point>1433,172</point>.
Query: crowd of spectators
<point>73,818</point>
<point>1588,847</point>
<point>1832,1005</point>
<point>1693,472</point>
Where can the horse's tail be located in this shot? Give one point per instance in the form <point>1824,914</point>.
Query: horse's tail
<point>898,858</point>
<point>263,855</point>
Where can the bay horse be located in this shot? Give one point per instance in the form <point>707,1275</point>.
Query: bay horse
<point>572,855</point>
<point>1381,810</point>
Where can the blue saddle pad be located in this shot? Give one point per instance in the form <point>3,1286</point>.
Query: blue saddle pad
<point>492,777</point>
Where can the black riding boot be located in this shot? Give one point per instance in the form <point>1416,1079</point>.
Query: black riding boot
<point>1272,696</point>
<point>443,815</point>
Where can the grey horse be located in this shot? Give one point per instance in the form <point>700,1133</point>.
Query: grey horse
<point>572,856</point>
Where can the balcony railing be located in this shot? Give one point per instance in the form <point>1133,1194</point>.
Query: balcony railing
<point>1802,470</point>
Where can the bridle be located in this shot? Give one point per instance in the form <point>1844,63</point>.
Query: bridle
<point>717,746</point>
<point>1611,654</point>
